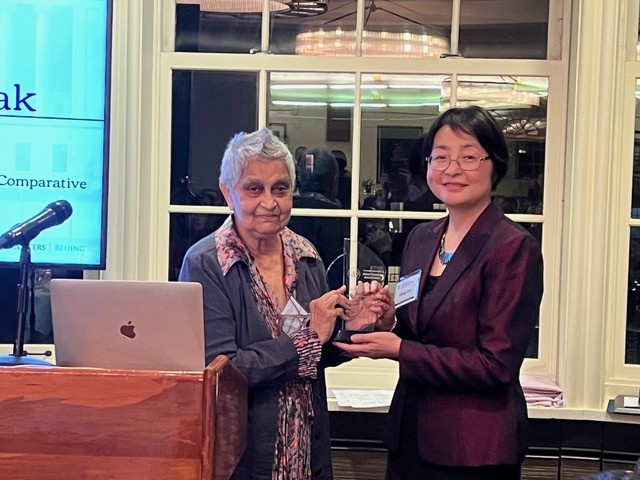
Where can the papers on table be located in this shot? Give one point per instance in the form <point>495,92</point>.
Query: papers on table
<point>363,398</point>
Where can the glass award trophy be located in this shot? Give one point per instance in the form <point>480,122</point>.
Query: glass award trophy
<point>370,267</point>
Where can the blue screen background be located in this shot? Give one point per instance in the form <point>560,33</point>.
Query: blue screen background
<point>52,142</point>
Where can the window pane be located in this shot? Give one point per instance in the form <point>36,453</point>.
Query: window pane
<point>519,104</point>
<point>206,113</point>
<point>185,229</point>
<point>504,29</point>
<point>396,111</point>
<point>632,350</point>
<point>312,112</point>
<point>198,30</point>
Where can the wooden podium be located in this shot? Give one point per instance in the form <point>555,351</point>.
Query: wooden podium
<point>80,423</point>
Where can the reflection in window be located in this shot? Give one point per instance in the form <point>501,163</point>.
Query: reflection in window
<point>519,104</point>
<point>312,112</point>
<point>632,350</point>
<point>397,110</point>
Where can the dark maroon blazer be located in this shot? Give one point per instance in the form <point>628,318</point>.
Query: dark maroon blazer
<point>464,342</point>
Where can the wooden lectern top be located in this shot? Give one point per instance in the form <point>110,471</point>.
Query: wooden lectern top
<point>83,423</point>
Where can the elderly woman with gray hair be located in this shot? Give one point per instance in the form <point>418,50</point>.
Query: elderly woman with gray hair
<point>251,269</point>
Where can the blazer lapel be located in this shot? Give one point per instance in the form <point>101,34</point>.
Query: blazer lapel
<point>466,252</point>
<point>421,260</point>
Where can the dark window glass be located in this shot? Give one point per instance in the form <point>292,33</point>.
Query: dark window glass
<point>208,109</point>
<point>504,29</point>
<point>185,229</point>
<point>635,192</point>
<point>38,328</point>
<point>632,347</point>
<point>216,32</point>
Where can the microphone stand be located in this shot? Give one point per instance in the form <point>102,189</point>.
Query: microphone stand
<point>19,356</point>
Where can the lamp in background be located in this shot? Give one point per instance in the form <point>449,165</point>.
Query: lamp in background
<point>240,6</point>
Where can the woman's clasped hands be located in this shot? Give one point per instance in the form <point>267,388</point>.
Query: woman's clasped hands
<point>371,304</point>
<point>368,307</point>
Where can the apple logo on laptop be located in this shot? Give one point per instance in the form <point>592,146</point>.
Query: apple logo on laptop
<point>128,330</point>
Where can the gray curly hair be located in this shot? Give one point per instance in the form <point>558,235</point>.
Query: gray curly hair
<point>260,145</point>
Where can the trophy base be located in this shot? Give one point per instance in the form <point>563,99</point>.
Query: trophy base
<point>344,336</point>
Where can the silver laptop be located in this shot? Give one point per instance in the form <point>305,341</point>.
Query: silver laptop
<point>122,324</point>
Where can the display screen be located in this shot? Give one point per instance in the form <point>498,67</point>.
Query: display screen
<point>54,93</point>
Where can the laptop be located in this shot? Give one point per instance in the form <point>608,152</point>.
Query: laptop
<point>120,324</point>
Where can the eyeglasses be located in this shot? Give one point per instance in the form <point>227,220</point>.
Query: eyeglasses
<point>466,162</point>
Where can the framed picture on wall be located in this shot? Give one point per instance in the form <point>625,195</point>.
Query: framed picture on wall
<point>338,124</point>
<point>394,148</point>
<point>279,130</point>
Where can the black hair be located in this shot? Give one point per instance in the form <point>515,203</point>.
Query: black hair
<point>341,158</point>
<point>478,122</point>
<point>321,176</point>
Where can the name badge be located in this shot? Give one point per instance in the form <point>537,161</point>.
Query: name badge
<point>293,317</point>
<point>407,288</point>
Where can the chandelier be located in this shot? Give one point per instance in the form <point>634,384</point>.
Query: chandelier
<point>416,40</point>
<point>240,6</point>
<point>339,42</point>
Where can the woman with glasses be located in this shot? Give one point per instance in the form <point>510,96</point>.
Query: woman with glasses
<point>474,283</point>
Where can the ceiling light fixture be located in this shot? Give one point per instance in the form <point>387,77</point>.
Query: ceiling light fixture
<point>339,42</point>
<point>417,40</point>
<point>304,9</point>
<point>241,6</point>
<point>299,86</point>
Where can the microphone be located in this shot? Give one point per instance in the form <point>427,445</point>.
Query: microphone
<point>54,214</point>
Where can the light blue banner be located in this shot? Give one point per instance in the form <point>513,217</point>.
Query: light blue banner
<point>52,124</point>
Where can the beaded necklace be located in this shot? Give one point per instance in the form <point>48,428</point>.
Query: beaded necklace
<point>443,256</point>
